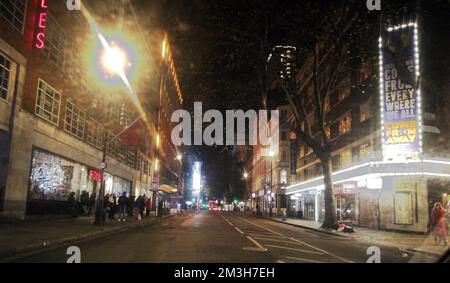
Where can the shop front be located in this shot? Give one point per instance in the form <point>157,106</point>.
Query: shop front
<point>54,178</point>
<point>379,195</point>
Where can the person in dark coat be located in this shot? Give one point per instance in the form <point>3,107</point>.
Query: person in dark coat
<point>72,204</point>
<point>123,200</point>
<point>92,200</point>
<point>130,205</point>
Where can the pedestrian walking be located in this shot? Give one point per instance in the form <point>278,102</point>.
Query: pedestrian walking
<point>92,200</point>
<point>112,205</point>
<point>123,200</point>
<point>148,206</point>
<point>72,205</point>
<point>142,206</point>
<point>84,199</point>
<point>137,209</point>
<point>438,224</point>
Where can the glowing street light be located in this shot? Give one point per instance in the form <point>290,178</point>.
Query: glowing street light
<point>245,175</point>
<point>114,60</point>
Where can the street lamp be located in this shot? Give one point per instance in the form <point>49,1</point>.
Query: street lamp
<point>272,155</point>
<point>114,60</point>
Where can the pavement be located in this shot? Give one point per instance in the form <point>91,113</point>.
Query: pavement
<point>32,237</point>
<point>219,237</point>
<point>414,242</point>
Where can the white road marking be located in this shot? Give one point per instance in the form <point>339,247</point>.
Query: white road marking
<point>256,243</point>
<point>303,259</point>
<point>308,245</point>
<point>292,249</point>
<point>276,240</point>
<point>266,236</point>
<point>239,230</point>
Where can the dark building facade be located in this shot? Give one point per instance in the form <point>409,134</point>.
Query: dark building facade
<point>57,111</point>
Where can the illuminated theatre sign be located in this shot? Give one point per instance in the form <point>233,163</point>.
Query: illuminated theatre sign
<point>41,25</point>
<point>401,121</point>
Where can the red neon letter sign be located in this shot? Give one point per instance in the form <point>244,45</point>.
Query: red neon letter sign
<point>41,25</point>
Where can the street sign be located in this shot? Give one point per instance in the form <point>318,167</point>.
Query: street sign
<point>155,184</point>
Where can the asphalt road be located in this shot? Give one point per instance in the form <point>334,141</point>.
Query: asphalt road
<point>216,237</point>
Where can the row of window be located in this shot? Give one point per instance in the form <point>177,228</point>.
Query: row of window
<point>76,122</point>
<point>342,160</point>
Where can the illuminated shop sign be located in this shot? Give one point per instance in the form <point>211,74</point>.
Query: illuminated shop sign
<point>41,24</point>
<point>95,176</point>
<point>400,93</point>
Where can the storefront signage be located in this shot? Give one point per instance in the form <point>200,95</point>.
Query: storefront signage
<point>400,93</point>
<point>41,24</point>
<point>95,176</point>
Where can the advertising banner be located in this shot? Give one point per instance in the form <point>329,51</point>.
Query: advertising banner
<point>399,93</point>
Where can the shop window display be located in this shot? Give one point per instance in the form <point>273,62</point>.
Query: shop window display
<point>53,177</point>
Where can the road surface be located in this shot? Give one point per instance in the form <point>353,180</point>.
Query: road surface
<point>219,237</point>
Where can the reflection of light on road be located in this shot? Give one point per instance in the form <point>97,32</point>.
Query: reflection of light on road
<point>120,71</point>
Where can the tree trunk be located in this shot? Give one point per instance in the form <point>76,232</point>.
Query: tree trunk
<point>330,206</point>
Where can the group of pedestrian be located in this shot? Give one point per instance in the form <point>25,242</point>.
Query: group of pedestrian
<point>126,206</point>
<point>142,204</point>
<point>440,219</point>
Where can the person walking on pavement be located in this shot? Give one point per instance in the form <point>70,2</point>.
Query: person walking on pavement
<point>72,203</point>
<point>123,200</point>
<point>438,224</point>
<point>142,206</point>
<point>137,209</point>
<point>92,200</point>
<point>148,206</point>
<point>112,205</point>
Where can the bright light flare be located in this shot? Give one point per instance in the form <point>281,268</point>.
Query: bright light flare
<point>114,60</point>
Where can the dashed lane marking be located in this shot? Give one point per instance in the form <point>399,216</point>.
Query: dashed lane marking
<point>292,249</point>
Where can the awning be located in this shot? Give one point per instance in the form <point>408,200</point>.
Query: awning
<point>168,189</point>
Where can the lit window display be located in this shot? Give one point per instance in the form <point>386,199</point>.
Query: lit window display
<point>53,177</point>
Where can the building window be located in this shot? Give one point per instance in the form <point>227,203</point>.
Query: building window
<point>327,105</point>
<point>328,132</point>
<point>346,157</point>
<point>284,156</point>
<point>365,113</point>
<point>5,70</point>
<point>13,11</point>
<point>75,120</point>
<point>94,133</point>
<point>48,103</point>
<point>344,93</point>
<point>55,42</point>
<point>345,124</point>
